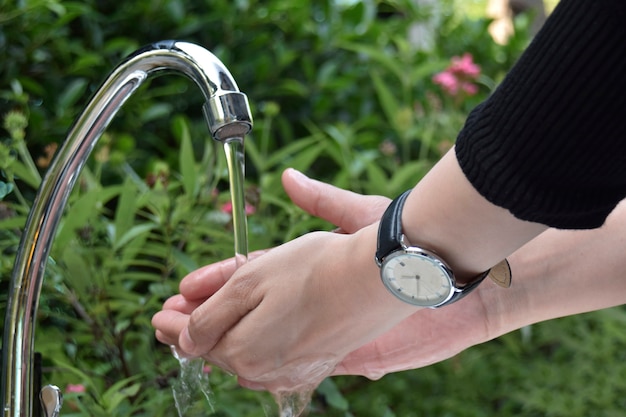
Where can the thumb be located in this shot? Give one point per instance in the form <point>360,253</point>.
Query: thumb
<point>348,210</point>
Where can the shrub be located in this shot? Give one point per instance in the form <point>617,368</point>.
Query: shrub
<point>339,90</point>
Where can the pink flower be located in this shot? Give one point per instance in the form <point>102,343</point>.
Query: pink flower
<point>459,76</point>
<point>464,66</point>
<point>75,388</point>
<point>448,81</point>
<point>469,88</point>
<point>206,369</point>
<point>228,208</point>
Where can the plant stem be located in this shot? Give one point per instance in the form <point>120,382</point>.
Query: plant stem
<point>27,159</point>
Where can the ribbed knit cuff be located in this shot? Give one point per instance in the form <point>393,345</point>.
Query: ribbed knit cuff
<point>549,145</point>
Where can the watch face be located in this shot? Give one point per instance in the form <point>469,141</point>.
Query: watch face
<point>417,277</point>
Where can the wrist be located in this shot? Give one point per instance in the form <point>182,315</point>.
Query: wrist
<point>365,246</point>
<point>446,215</point>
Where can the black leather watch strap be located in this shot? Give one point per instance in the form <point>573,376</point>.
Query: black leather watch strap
<point>390,237</point>
<point>462,291</point>
<point>390,229</point>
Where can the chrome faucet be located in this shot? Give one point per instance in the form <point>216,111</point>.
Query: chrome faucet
<point>227,114</point>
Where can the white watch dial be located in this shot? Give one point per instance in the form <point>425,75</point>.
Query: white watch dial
<point>417,278</point>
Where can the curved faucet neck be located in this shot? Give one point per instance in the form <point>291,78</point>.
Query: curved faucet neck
<point>228,117</point>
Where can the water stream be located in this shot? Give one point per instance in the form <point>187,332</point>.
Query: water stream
<point>192,383</point>
<point>292,403</point>
<point>236,174</point>
<point>192,380</point>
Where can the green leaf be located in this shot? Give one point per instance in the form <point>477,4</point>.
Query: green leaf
<point>303,160</point>
<point>186,160</point>
<point>377,180</point>
<point>184,260</point>
<point>80,212</point>
<point>56,8</point>
<point>332,395</point>
<point>125,212</point>
<point>293,87</point>
<point>118,392</point>
<point>156,111</point>
<point>407,176</point>
<point>132,233</point>
<point>24,173</point>
<point>377,54</point>
<point>387,99</point>
<point>253,155</point>
<point>76,270</point>
<point>5,189</point>
<point>297,148</point>
<point>72,94</point>
<point>12,222</point>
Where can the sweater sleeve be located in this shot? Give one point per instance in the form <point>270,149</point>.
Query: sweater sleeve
<point>549,144</point>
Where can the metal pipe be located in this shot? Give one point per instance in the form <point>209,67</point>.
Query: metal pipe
<point>227,114</point>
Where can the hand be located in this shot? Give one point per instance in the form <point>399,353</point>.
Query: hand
<point>424,338</point>
<point>552,277</point>
<point>349,211</point>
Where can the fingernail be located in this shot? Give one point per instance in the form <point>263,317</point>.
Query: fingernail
<point>296,174</point>
<point>186,343</point>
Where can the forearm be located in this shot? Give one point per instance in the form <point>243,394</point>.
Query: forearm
<point>472,236</point>
<point>548,142</point>
<point>561,273</point>
<point>558,273</point>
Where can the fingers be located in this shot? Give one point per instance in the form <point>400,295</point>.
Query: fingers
<point>169,324</point>
<point>206,281</point>
<point>195,289</point>
<point>350,211</point>
<point>181,304</point>
<point>218,314</point>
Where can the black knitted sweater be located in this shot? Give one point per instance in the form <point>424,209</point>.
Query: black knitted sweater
<point>549,144</point>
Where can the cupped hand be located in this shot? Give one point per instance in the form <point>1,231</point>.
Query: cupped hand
<point>288,317</point>
<point>301,311</point>
<point>426,337</point>
<point>349,211</point>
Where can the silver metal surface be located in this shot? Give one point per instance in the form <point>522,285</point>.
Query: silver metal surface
<point>228,116</point>
<point>51,400</point>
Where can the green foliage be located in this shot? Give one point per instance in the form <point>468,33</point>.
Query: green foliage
<point>567,367</point>
<point>340,91</point>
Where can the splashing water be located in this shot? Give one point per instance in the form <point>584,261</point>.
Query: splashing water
<point>192,380</point>
<point>292,403</point>
<point>191,383</point>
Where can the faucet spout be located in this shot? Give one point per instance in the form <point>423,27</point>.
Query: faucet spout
<point>228,116</point>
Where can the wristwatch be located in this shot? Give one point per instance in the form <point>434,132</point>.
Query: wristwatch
<point>419,276</point>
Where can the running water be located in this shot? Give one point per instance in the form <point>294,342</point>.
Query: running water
<point>236,173</point>
<point>292,403</point>
<point>192,380</point>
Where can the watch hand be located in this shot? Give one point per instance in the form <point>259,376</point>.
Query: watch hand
<point>417,285</point>
<point>417,282</point>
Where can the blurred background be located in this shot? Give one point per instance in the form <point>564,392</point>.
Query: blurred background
<point>366,95</point>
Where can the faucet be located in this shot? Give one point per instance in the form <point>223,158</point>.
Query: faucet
<point>228,117</point>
